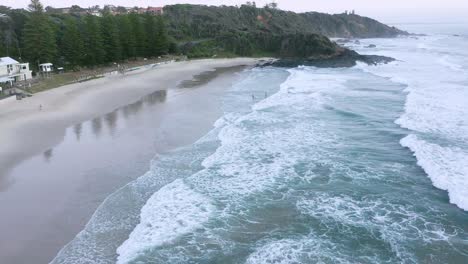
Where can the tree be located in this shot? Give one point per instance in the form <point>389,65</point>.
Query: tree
<point>75,9</point>
<point>151,35</point>
<point>111,41</point>
<point>162,39</point>
<point>36,6</point>
<point>138,31</point>
<point>39,38</point>
<point>126,36</point>
<point>8,38</point>
<point>73,46</point>
<point>121,10</point>
<point>4,9</point>
<point>272,5</point>
<point>95,53</point>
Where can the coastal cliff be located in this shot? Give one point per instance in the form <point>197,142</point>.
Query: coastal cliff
<point>76,40</point>
<point>208,31</point>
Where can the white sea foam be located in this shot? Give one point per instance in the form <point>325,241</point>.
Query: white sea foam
<point>171,212</point>
<point>294,251</point>
<point>309,249</point>
<point>258,148</point>
<point>280,252</point>
<point>436,105</point>
<point>447,167</point>
<point>177,209</point>
<point>398,224</point>
<point>445,61</point>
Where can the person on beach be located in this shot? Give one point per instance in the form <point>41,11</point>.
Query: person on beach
<point>253,97</point>
<point>40,107</point>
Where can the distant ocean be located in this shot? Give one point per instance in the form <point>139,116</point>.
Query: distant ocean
<point>353,165</point>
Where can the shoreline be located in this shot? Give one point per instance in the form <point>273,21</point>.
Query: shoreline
<point>85,157</point>
<point>22,122</point>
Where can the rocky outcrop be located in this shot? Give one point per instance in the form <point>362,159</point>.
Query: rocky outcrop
<point>345,58</point>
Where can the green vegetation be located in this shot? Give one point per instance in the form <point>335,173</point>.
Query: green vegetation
<point>78,39</point>
<point>39,39</point>
<point>251,31</point>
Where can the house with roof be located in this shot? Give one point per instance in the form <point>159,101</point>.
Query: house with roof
<point>155,10</point>
<point>13,71</point>
<point>46,67</point>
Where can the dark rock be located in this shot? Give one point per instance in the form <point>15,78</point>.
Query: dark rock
<point>347,58</point>
<point>343,41</point>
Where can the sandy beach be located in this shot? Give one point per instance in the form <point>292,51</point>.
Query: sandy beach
<point>58,163</point>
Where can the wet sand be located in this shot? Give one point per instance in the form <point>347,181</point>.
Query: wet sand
<point>25,130</point>
<point>47,198</point>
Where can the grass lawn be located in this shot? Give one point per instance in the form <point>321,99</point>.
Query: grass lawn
<point>54,81</point>
<point>57,80</point>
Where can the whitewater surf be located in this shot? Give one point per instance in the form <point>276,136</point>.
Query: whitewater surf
<point>310,165</point>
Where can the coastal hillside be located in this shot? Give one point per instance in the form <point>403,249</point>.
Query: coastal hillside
<point>251,31</point>
<point>199,21</point>
<point>80,38</point>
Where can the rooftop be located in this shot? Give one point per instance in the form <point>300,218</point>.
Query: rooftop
<point>7,61</point>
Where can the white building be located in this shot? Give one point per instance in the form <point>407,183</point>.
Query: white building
<point>13,71</point>
<point>46,67</point>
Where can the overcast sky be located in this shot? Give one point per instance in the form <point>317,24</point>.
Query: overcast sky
<point>386,10</point>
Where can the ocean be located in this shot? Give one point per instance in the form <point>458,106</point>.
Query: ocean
<point>367,164</point>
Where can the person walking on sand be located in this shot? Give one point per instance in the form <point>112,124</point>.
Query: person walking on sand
<point>40,107</point>
<point>253,97</point>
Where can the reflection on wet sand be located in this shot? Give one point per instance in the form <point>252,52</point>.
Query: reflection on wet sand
<point>111,121</point>
<point>77,129</point>
<point>156,97</point>
<point>97,126</point>
<point>48,154</point>
<point>206,77</point>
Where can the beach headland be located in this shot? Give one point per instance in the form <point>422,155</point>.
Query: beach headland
<point>45,203</point>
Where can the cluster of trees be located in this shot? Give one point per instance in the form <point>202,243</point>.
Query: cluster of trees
<point>272,5</point>
<point>200,22</point>
<point>84,40</point>
<point>298,45</point>
<point>77,39</point>
<point>245,31</point>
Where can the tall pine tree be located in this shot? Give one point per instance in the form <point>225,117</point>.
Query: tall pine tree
<point>151,35</point>
<point>39,38</point>
<point>138,30</point>
<point>162,39</point>
<point>127,37</point>
<point>112,47</point>
<point>72,43</point>
<point>94,46</point>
